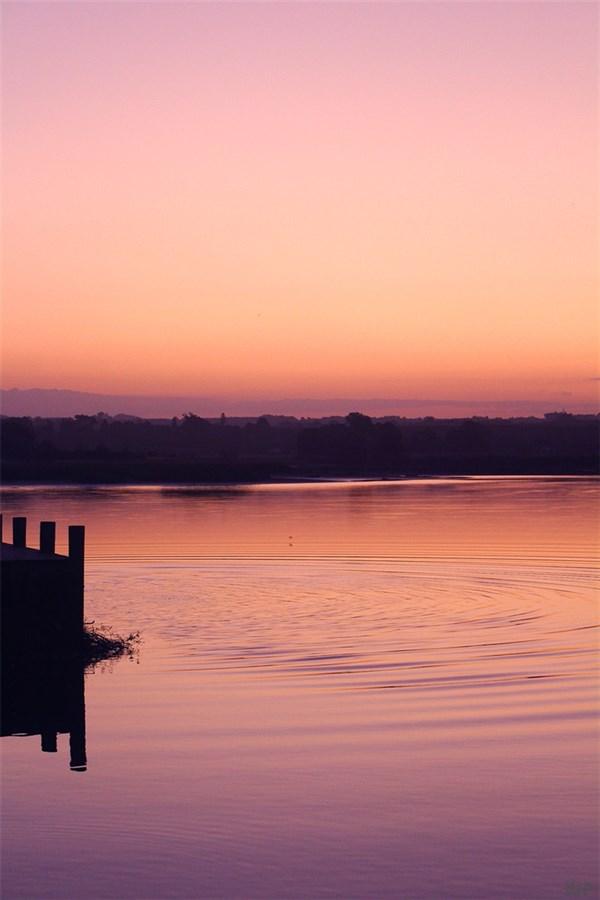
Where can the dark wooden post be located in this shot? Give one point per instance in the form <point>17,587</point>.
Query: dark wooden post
<point>47,537</point>
<point>77,544</point>
<point>19,531</point>
<point>76,557</point>
<point>49,742</point>
<point>78,762</point>
<point>78,756</point>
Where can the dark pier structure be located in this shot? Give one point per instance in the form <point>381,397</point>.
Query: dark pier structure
<point>42,628</point>
<point>42,591</point>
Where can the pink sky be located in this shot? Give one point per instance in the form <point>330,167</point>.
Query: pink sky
<point>269,200</point>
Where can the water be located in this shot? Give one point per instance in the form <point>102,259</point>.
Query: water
<point>343,690</point>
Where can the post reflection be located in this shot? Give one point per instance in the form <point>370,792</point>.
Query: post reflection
<point>45,697</point>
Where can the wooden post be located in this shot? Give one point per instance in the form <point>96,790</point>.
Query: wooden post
<point>76,556</point>
<point>47,537</point>
<point>19,531</point>
<point>49,742</point>
<point>77,544</point>
<point>78,761</point>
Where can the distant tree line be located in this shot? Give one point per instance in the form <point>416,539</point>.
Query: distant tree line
<point>105,448</point>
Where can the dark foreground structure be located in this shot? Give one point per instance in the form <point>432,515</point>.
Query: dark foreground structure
<point>42,674</point>
<point>46,647</point>
<point>42,591</point>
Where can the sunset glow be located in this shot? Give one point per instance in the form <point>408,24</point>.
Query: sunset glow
<point>302,200</point>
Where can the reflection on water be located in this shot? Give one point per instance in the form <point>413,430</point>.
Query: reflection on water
<point>345,690</point>
<point>45,698</point>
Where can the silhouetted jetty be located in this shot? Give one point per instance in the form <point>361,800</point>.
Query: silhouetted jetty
<point>42,591</point>
<point>46,648</point>
<point>42,675</point>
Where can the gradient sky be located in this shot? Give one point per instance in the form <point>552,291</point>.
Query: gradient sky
<point>311,199</point>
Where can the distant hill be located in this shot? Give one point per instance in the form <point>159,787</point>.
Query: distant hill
<point>59,403</point>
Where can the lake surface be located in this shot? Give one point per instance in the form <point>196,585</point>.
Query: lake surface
<point>352,690</point>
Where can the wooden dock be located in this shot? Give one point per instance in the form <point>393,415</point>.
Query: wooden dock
<point>42,591</point>
<point>42,675</point>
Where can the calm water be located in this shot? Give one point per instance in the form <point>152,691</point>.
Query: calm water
<point>344,690</point>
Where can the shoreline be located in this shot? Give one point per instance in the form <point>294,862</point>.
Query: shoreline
<point>301,480</point>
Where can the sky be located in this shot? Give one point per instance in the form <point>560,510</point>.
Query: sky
<point>251,200</point>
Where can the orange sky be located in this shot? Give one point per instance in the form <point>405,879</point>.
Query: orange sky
<point>302,199</point>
